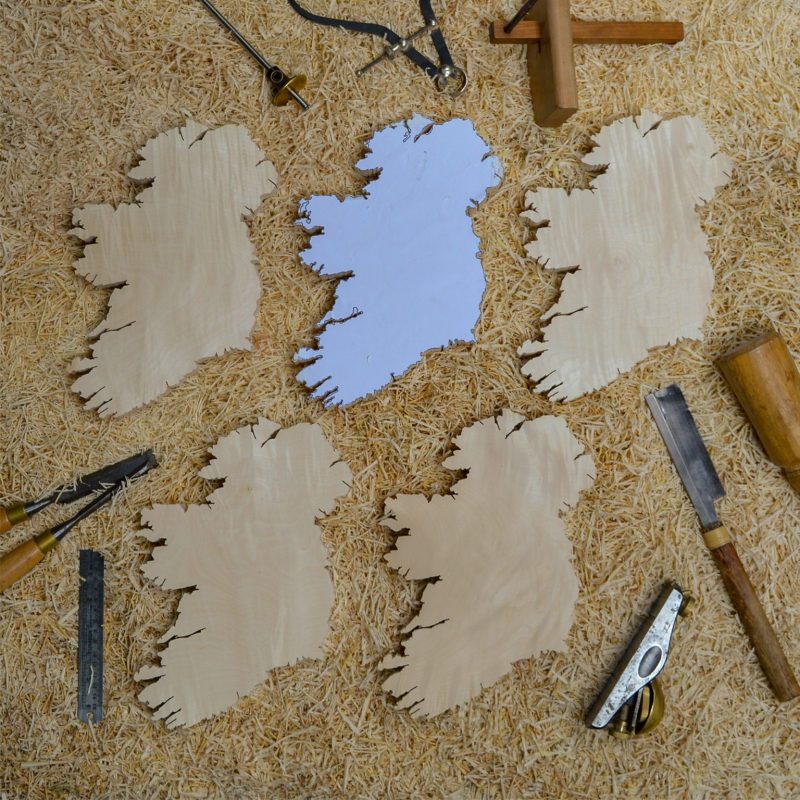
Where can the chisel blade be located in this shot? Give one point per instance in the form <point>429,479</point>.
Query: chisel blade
<point>103,478</point>
<point>688,452</point>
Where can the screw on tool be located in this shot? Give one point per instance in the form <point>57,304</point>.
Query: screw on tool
<point>284,87</point>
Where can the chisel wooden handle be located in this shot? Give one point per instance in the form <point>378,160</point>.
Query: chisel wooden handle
<point>11,516</point>
<point>748,607</point>
<point>21,560</point>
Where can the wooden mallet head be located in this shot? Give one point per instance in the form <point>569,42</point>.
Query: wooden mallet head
<point>765,379</point>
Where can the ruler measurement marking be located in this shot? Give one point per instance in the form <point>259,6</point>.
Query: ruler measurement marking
<point>90,637</point>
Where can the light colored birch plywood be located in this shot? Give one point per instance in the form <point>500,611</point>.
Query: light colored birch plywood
<point>262,595</point>
<point>179,259</point>
<point>643,278</point>
<point>417,279</point>
<point>506,587</point>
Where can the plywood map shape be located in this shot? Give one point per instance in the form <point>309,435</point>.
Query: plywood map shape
<point>179,260</point>
<point>506,587</point>
<point>417,280</point>
<point>262,594</point>
<point>643,277</point>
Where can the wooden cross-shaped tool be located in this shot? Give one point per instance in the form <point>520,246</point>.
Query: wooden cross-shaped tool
<point>549,31</point>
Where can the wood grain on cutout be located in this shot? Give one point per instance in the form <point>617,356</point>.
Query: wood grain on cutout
<point>180,262</point>
<point>506,587</point>
<point>262,594</point>
<point>639,276</point>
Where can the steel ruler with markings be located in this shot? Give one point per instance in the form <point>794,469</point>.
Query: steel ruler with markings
<point>90,637</point>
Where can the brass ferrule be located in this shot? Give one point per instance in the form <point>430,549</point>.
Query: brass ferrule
<point>45,541</point>
<point>716,537</point>
<point>16,514</point>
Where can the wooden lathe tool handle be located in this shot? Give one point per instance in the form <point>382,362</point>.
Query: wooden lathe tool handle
<point>768,649</point>
<point>765,379</point>
<point>21,560</point>
<point>11,516</point>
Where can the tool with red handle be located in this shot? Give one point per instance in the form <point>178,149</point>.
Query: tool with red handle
<point>691,459</point>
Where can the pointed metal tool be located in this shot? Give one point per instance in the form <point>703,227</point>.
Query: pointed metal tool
<point>21,560</point>
<point>694,465</point>
<point>284,88</point>
<point>77,490</point>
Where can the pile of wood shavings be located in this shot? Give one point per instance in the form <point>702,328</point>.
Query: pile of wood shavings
<point>84,85</point>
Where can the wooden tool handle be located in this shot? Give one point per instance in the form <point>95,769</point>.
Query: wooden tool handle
<point>765,379</point>
<point>531,31</point>
<point>748,607</point>
<point>11,516</point>
<point>21,560</point>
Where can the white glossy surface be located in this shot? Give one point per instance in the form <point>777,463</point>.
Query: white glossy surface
<point>417,278</point>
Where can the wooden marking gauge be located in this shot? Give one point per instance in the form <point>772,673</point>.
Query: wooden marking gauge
<point>550,33</point>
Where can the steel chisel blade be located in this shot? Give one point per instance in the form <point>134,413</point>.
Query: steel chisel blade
<point>688,453</point>
<point>105,477</point>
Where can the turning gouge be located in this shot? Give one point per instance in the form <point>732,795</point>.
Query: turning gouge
<point>77,490</point>
<point>691,459</point>
<point>22,559</point>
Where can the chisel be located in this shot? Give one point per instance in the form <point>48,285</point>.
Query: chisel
<point>691,459</point>
<point>21,560</point>
<point>77,490</point>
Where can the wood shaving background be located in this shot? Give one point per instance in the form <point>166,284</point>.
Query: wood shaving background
<point>84,84</point>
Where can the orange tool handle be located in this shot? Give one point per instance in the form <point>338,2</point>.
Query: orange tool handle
<point>11,516</point>
<point>751,613</point>
<point>21,560</point>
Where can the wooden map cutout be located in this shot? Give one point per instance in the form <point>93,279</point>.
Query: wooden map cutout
<point>506,587</point>
<point>642,277</point>
<point>180,262</point>
<point>262,594</point>
<point>415,276</point>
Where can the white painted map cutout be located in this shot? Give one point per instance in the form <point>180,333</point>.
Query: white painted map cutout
<point>506,588</point>
<point>643,279</point>
<point>262,594</point>
<point>179,259</point>
<point>417,280</point>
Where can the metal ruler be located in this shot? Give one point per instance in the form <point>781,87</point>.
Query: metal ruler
<point>90,637</point>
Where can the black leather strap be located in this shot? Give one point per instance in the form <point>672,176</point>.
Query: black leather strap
<point>389,36</point>
<point>436,34</point>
